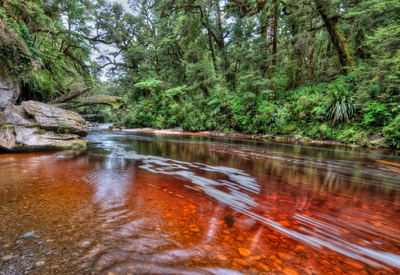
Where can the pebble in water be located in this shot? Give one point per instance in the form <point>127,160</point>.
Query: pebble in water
<point>6,258</point>
<point>244,252</point>
<point>229,220</point>
<point>30,235</point>
<point>40,263</point>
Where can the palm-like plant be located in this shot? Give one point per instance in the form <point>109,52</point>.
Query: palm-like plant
<point>341,107</point>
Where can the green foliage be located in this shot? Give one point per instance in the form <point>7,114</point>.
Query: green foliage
<point>216,65</point>
<point>376,114</point>
<point>18,53</point>
<point>392,132</point>
<point>40,51</point>
<point>150,84</point>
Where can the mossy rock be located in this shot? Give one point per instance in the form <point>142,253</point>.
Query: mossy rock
<point>22,139</point>
<point>55,119</point>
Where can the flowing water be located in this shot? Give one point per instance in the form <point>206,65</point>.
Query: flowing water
<point>138,203</point>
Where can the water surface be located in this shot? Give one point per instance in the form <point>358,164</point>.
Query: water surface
<point>135,203</point>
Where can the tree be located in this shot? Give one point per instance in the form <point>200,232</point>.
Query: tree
<point>331,22</point>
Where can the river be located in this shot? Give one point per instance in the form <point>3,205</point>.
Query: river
<point>142,203</point>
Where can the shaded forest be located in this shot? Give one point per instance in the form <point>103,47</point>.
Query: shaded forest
<point>315,69</point>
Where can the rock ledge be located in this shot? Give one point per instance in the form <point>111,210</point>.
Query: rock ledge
<point>35,126</point>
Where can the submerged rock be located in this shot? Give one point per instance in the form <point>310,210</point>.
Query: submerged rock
<point>35,126</point>
<point>6,258</point>
<point>40,263</point>
<point>229,220</point>
<point>244,252</point>
<point>30,235</point>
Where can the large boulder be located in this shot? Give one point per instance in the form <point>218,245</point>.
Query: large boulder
<point>56,119</point>
<point>35,126</point>
<point>22,139</point>
<point>9,92</point>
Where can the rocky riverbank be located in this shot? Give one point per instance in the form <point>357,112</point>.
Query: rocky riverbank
<point>375,141</point>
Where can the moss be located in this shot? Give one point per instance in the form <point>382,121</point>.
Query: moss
<point>354,145</point>
<point>6,126</point>
<point>380,143</point>
<point>306,139</point>
<point>365,142</point>
<point>81,143</point>
<point>280,138</point>
<point>39,132</point>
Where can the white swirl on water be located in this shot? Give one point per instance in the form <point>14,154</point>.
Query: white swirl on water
<point>323,237</point>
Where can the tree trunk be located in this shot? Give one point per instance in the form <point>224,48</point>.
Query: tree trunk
<point>271,35</point>
<point>275,30</point>
<point>299,73</point>
<point>220,34</point>
<point>214,58</point>
<point>360,47</point>
<point>310,66</point>
<point>264,35</point>
<point>147,93</point>
<point>113,101</point>
<point>335,33</point>
<point>69,96</point>
<point>328,48</point>
<point>270,42</point>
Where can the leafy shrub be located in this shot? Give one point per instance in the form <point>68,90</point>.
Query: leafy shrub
<point>392,132</point>
<point>376,114</point>
<point>341,107</point>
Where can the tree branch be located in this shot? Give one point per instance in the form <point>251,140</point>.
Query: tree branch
<point>317,28</point>
<point>94,39</point>
<point>69,96</point>
<point>114,101</point>
<point>116,64</point>
<point>336,16</point>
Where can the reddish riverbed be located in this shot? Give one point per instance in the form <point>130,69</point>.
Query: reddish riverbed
<point>135,203</point>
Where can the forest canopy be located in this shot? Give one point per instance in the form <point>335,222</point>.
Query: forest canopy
<point>322,69</point>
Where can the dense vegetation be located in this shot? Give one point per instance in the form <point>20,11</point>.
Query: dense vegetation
<point>323,69</point>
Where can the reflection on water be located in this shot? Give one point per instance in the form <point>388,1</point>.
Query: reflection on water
<point>154,204</point>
